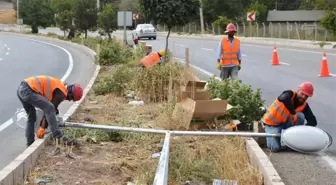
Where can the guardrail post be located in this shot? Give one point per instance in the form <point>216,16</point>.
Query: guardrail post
<point>161,175</point>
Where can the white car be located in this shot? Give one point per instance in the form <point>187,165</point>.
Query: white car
<point>145,31</point>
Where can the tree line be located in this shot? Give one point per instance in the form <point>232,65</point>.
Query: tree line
<point>84,16</point>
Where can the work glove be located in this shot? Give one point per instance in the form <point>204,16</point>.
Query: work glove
<point>40,133</point>
<point>218,66</point>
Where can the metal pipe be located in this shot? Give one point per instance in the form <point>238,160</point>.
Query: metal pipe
<point>161,175</point>
<point>113,128</point>
<point>212,133</point>
<point>174,132</point>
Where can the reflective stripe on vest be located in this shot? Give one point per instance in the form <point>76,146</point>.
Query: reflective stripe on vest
<point>230,54</point>
<point>278,113</point>
<point>47,94</point>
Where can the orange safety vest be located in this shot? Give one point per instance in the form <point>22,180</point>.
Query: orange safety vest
<point>151,59</point>
<point>278,113</point>
<point>45,85</point>
<point>230,54</point>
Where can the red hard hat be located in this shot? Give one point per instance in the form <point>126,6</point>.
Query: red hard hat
<point>77,92</point>
<point>307,88</point>
<point>230,27</point>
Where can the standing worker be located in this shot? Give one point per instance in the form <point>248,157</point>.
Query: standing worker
<point>45,93</point>
<point>228,54</point>
<point>289,109</point>
<point>152,59</point>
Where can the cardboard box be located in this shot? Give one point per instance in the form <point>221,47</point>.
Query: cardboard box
<point>189,86</point>
<point>191,111</point>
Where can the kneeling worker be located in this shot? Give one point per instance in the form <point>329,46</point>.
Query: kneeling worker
<point>289,109</point>
<point>45,93</point>
<point>152,59</point>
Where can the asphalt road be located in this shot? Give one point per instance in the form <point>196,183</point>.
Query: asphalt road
<point>20,58</point>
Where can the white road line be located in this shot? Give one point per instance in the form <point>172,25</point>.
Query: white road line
<point>244,55</point>
<point>8,49</point>
<point>7,53</point>
<point>180,45</point>
<point>331,161</point>
<point>283,63</point>
<point>66,75</point>
<point>332,74</point>
<point>1,59</point>
<point>5,45</point>
<point>208,49</point>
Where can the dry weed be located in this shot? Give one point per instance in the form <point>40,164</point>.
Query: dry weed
<point>211,157</point>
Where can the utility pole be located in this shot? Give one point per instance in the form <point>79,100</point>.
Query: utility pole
<point>17,12</point>
<point>201,17</point>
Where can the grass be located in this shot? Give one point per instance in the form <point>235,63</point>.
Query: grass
<point>121,157</point>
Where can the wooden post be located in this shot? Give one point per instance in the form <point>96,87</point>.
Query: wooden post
<point>187,59</point>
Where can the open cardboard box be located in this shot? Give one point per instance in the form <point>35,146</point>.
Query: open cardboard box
<point>191,111</point>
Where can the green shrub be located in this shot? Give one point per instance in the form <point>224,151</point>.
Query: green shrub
<point>246,102</point>
<point>112,52</point>
<point>114,82</point>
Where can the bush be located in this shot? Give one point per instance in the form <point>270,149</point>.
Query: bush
<point>246,102</point>
<point>112,52</point>
<point>115,82</point>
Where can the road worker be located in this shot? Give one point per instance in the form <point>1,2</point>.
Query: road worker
<point>228,54</point>
<point>152,59</point>
<point>45,93</point>
<point>289,109</point>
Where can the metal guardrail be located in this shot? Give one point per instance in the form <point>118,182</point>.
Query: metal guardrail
<point>161,175</point>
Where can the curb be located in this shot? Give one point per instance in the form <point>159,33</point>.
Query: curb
<point>260,161</point>
<point>17,171</point>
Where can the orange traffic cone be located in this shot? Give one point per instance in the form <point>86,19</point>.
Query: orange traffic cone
<point>275,60</point>
<point>324,67</point>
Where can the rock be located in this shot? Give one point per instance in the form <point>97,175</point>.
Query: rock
<point>89,118</point>
<point>156,155</point>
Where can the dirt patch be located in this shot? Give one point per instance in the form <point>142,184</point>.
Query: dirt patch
<point>7,17</point>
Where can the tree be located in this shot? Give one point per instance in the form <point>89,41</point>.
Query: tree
<point>107,20</point>
<point>261,11</point>
<point>36,13</point>
<point>171,13</point>
<point>130,5</point>
<point>148,9</point>
<point>85,15</point>
<point>64,14</point>
<point>329,21</point>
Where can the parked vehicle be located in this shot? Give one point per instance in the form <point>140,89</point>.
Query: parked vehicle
<point>144,31</point>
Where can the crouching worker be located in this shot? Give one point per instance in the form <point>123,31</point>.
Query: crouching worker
<point>45,93</point>
<point>152,59</point>
<point>289,109</point>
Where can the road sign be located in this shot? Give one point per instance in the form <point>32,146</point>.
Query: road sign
<point>135,16</point>
<point>128,17</point>
<point>251,16</point>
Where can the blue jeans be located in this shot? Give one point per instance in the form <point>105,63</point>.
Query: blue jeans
<point>273,143</point>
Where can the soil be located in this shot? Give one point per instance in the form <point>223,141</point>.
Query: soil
<point>104,163</point>
<point>7,16</point>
